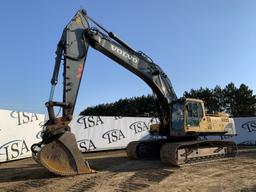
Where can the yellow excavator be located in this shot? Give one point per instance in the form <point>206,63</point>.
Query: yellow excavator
<point>181,121</point>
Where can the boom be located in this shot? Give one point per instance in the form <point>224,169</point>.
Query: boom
<point>73,47</point>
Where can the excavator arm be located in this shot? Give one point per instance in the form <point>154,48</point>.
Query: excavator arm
<point>58,151</point>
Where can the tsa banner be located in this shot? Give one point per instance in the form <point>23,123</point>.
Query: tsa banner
<point>17,133</point>
<point>246,131</point>
<point>19,130</point>
<point>96,133</point>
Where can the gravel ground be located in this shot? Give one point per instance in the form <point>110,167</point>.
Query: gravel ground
<point>116,173</point>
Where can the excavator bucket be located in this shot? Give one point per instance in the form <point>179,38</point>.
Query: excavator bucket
<point>62,156</point>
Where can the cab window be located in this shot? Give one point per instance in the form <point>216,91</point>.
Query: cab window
<point>194,114</point>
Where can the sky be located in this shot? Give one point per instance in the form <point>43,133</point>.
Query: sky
<point>198,43</point>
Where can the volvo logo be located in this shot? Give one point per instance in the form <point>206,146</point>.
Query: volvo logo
<point>124,54</point>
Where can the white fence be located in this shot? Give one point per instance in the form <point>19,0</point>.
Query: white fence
<point>19,130</point>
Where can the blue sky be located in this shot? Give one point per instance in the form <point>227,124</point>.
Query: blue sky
<point>196,42</point>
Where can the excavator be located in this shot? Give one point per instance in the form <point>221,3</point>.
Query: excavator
<point>181,121</point>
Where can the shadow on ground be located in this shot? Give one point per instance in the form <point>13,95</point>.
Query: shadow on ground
<point>23,172</point>
<point>17,171</point>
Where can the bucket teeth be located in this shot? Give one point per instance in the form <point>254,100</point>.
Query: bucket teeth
<point>62,156</point>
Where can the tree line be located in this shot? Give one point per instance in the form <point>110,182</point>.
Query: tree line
<point>130,107</point>
<point>236,101</point>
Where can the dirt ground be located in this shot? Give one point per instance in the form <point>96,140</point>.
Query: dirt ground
<point>116,173</point>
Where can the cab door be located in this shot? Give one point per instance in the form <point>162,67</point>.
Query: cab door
<point>193,116</point>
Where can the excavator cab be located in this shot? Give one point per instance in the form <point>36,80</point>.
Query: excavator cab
<point>189,118</point>
<point>186,115</point>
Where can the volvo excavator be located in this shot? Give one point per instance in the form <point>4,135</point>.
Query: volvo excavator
<point>181,121</point>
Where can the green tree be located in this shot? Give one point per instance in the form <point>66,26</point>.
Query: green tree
<point>211,98</point>
<point>136,106</point>
<point>238,102</point>
<point>218,99</point>
<point>245,102</point>
<point>229,99</point>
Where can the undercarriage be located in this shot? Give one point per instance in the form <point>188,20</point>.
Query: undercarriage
<point>182,153</point>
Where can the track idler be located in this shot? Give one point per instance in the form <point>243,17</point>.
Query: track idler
<point>144,149</point>
<point>61,155</point>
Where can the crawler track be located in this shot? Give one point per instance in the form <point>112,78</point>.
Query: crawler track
<point>191,152</point>
<point>182,153</point>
